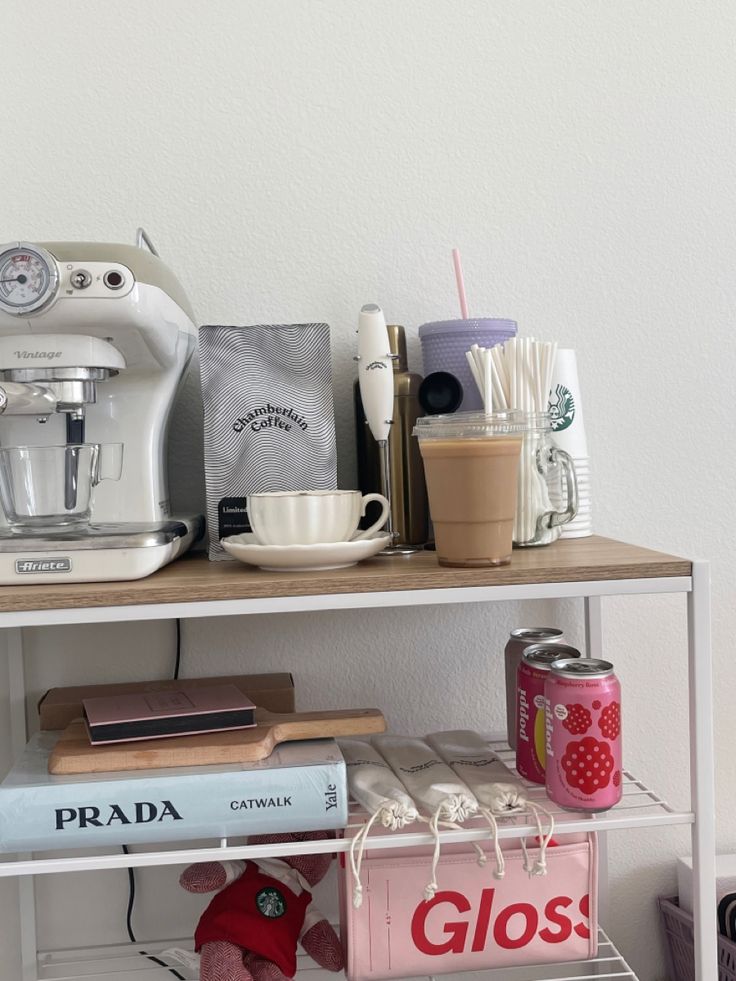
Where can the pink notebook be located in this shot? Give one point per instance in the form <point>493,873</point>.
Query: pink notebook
<point>160,714</point>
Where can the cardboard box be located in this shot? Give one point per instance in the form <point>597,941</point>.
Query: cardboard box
<point>725,879</point>
<point>60,706</point>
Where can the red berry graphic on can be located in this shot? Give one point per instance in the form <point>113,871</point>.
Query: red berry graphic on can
<point>578,720</point>
<point>610,720</point>
<point>588,765</point>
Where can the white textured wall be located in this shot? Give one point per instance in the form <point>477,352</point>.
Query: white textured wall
<point>295,159</point>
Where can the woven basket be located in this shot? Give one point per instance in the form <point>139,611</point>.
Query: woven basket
<point>677,927</point>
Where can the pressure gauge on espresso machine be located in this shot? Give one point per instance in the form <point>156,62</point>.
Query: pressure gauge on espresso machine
<point>29,278</point>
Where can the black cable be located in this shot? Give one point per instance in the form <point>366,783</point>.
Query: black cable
<point>131,870</point>
<point>177,663</point>
<point>129,922</point>
<point>131,899</point>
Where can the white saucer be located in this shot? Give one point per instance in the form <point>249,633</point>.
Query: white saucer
<point>304,558</point>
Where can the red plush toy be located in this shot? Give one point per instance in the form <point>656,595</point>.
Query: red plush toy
<point>250,930</point>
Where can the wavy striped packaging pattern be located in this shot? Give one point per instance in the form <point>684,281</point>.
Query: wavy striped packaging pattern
<point>269,418</point>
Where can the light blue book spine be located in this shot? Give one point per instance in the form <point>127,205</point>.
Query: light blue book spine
<point>302,787</point>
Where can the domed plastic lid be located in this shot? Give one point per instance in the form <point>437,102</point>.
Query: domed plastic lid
<point>474,425</point>
<point>471,425</point>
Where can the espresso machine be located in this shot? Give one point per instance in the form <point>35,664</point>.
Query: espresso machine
<point>94,340</point>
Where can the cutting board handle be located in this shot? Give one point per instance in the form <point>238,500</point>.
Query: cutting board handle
<point>323,725</point>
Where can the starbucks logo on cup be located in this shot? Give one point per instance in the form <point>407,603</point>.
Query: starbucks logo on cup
<point>561,409</point>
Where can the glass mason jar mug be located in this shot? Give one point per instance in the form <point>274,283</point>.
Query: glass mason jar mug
<point>46,487</point>
<point>546,473</point>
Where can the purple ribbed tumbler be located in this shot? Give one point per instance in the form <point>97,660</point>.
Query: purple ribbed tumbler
<point>445,342</point>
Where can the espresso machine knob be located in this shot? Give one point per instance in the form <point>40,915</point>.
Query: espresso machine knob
<point>80,279</point>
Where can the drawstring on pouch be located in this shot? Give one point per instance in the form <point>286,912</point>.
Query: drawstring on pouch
<point>392,815</point>
<point>498,792</point>
<point>380,792</point>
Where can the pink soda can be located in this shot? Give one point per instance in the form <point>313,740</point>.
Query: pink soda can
<point>530,706</point>
<point>583,707</point>
<point>520,639</point>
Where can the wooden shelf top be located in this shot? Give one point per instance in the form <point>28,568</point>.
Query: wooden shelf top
<point>194,579</point>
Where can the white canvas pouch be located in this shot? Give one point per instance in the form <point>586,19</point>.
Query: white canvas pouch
<point>375,786</point>
<point>499,792</point>
<point>441,797</point>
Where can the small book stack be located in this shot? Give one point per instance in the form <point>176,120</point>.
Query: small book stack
<point>156,715</point>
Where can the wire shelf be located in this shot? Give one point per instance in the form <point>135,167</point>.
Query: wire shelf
<point>130,962</point>
<point>640,807</point>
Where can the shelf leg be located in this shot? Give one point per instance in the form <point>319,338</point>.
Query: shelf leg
<point>19,738</point>
<point>593,626</point>
<point>702,781</point>
<point>594,648</point>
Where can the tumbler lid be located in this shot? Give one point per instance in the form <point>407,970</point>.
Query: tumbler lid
<point>501,326</point>
<point>471,425</point>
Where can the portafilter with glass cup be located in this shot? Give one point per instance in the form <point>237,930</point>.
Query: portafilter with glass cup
<point>94,339</point>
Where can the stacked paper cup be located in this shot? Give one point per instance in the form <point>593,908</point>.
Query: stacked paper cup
<point>566,410</point>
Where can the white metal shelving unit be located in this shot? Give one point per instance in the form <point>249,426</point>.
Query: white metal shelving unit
<point>131,963</point>
<point>590,569</point>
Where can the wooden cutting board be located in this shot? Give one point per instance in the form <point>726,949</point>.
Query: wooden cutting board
<point>75,754</point>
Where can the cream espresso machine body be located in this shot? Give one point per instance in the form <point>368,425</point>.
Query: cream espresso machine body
<point>94,340</point>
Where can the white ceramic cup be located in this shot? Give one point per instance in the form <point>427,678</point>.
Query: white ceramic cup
<point>312,517</point>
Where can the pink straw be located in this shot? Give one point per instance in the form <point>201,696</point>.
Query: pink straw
<point>460,283</point>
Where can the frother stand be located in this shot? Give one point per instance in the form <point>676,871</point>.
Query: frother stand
<point>376,379</point>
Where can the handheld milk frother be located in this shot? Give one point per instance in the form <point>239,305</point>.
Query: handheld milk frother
<point>376,379</point>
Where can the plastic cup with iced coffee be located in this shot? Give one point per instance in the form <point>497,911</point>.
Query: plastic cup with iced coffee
<point>471,463</point>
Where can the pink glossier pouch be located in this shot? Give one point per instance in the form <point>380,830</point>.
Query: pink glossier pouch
<point>475,922</point>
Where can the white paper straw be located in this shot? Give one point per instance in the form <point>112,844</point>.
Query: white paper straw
<point>538,378</point>
<point>497,356</point>
<point>474,371</point>
<point>498,392</point>
<point>550,372</point>
<point>487,386</point>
